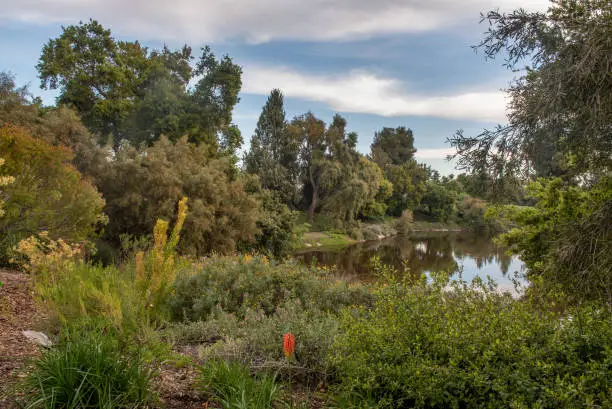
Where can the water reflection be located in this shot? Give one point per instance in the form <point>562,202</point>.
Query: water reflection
<point>423,253</point>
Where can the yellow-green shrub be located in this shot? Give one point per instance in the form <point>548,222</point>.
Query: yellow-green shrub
<point>46,193</point>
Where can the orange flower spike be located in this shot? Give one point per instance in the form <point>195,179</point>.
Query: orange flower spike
<point>288,344</point>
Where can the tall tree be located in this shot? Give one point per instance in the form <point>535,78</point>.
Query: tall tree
<point>274,151</point>
<point>393,150</point>
<point>560,109</point>
<point>393,146</point>
<point>311,133</point>
<point>124,90</point>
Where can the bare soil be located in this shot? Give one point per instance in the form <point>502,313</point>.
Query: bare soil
<point>18,313</point>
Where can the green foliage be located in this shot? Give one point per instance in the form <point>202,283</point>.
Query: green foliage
<point>276,226</point>
<point>441,346</point>
<point>393,147</point>
<point>565,238</point>
<point>89,368</point>
<point>46,193</point>
<point>130,298</point>
<point>239,284</point>
<point>438,201</point>
<point>560,109</point>
<point>274,152</point>
<point>124,90</point>
<point>404,223</point>
<point>233,387</point>
<point>472,212</point>
<point>221,215</point>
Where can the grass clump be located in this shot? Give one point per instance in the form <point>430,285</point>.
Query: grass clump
<point>89,368</point>
<point>231,385</point>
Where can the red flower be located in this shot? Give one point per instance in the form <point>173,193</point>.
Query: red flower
<point>288,344</point>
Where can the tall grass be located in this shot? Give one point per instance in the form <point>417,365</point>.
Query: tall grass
<point>89,369</point>
<point>233,387</point>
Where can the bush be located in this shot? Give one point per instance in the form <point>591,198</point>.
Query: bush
<point>435,346</point>
<point>404,223</point>
<point>45,193</point>
<point>256,340</point>
<point>233,387</point>
<point>89,369</point>
<point>240,283</point>
<point>130,297</point>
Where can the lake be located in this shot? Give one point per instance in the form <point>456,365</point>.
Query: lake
<point>422,253</point>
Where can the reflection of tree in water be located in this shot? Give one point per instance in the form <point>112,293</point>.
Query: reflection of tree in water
<point>481,248</point>
<point>416,253</point>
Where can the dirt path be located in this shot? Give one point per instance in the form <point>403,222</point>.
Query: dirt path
<point>17,313</point>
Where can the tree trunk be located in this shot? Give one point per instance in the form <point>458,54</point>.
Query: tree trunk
<point>313,203</point>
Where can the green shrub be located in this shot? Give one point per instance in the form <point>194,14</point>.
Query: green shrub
<point>46,192</point>
<point>237,284</point>
<point>404,223</point>
<point>89,369</point>
<point>441,346</point>
<point>233,387</point>
<point>257,339</point>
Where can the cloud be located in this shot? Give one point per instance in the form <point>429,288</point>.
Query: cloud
<point>363,92</point>
<point>259,20</point>
<point>434,153</point>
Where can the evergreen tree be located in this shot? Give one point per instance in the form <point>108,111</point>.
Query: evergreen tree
<point>274,152</point>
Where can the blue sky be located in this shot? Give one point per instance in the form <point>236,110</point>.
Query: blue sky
<point>379,63</point>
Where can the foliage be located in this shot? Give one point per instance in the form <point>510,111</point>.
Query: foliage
<point>276,226</point>
<point>47,193</point>
<point>236,307</point>
<point>393,147</point>
<point>124,90</point>
<point>434,346</point>
<point>565,238</point>
<point>472,212</point>
<point>560,109</point>
<point>404,223</point>
<point>438,201</point>
<point>89,368</point>
<point>233,387</point>
<point>130,298</point>
<point>4,180</point>
<point>274,152</point>
<point>238,284</point>
<point>141,186</point>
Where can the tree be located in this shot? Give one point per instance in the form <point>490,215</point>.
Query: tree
<point>46,194</point>
<point>560,109</point>
<point>393,146</point>
<point>124,90</point>
<point>559,124</point>
<point>274,152</point>
<point>311,133</point>
<point>95,74</point>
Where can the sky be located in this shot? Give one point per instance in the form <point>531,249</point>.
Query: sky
<point>376,62</point>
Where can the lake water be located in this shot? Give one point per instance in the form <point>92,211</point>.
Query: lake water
<point>422,253</point>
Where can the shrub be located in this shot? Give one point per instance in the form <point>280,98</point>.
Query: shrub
<point>256,339</point>
<point>89,369</point>
<point>404,223</point>
<point>233,387</point>
<point>240,283</point>
<point>130,297</point>
<point>46,192</point>
<point>435,346</point>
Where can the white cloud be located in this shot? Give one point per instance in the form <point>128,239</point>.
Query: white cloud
<point>258,20</point>
<point>434,153</point>
<point>363,92</point>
